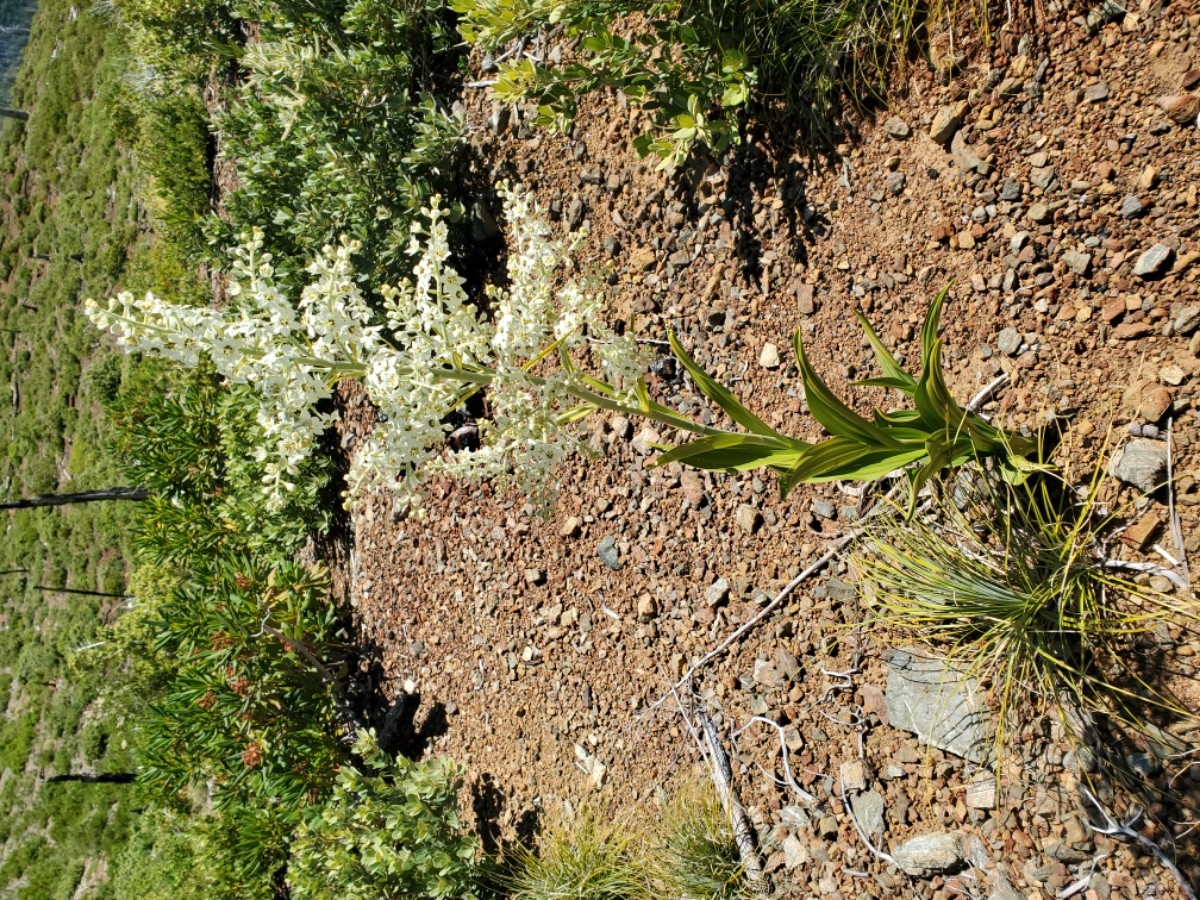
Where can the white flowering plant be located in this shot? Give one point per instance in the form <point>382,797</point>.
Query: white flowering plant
<point>420,359</point>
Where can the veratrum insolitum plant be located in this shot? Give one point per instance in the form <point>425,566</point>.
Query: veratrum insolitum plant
<point>432,349</point>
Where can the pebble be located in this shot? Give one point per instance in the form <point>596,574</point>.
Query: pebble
<point>946,122</point>
<point>769,358</point>
<point>1131,207</point>
<point>717,592</point>
<point>1009,342</point>
<point>897,128</point>
<point>1182,109</point>
<point>854,775</point>
<point>1152,261</point>
<point>1172,375</point>
<point>1038,213</point>
<point>1010,191</point>
<point>607,551</point>
<point>748,518</point>
<point>823,509</point>
<point>896,182</point>
<point>1096,93</point>
<point>869,810</point>
<point>929,854</point>
<point>1187,320</point>
<point>965,156</point>
<point>647,609</point>
<point>1077,262</point>
<point>1140,463</point>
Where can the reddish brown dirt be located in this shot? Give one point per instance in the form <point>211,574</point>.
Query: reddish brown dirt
<point>527,649</point>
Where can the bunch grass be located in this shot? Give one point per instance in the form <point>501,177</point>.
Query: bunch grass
<point>692,853</point>
<point>577,857</point>
<point>1010,581</point>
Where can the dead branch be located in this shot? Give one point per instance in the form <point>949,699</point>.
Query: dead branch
<point>1172,512</point>
<point>788,779</point>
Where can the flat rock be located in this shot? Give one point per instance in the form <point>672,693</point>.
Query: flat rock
<point>1009,342</point>
<point>1131,207</point>
<point>1187,319</point>
<point>897,128</point>
<point>748,518</point>
<point>607,551</point>
<point>981,791</point>
<point>946,122</point>
<point>1182,109</point>
<point>929,854</point>
<point>942,706</point>
<point>1141,463</point>
<point>965,156</point>
<point>869,810</point>
<point>896,182</point>
<point>1077,262</point>
<point>717,592</point>
<point>1096,93</point>
<point>1038,212</point>
<point>1147,400</point>
<point>769,358</point>
<point>1152,261</point>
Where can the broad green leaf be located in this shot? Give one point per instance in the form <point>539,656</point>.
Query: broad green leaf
<point>839,420</point>
<point>895,384</point>
<point>721,395</point>
<point>891,368</point>
<point>845,458</point>
<point>737,452</point>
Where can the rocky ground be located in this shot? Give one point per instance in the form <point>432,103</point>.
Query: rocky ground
<point>1048,185</point>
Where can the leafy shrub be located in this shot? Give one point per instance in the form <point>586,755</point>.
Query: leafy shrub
<point>173,149</point>
<point>697,64</point>
<point>183,26</point>
<point>1010,581</point>
<point>390,830</point>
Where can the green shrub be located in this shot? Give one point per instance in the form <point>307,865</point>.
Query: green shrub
<point>390,830</point>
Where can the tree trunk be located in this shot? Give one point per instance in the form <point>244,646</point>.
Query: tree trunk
<point>106,778</point>
<point>113,493</point>
<point>14,114</point>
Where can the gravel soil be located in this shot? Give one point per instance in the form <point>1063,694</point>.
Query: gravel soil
<point>538,642</point>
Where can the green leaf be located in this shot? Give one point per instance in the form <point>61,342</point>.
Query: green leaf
<point>734,95</point>
<point>891,368</point>
<point>734,452</point>
<point>721,395</point>
<point>839,420</point>
<point>895,384</point>
<point>845,458</point>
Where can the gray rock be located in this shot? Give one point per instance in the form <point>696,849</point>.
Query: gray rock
<point>795,854</point>
<point>1042,178</point>
<point>1077,262</point>
<point>768,676</point>
<point>1152,261</point>
<point>717,592</point>
<point>1009,342</point>
<point>1141,463</point>
<point>823,509</point>
<point>928,854</point>
<point>1018,241</point>
<point>1096,93</point>
<point>896,182</point>
<point>839,590</point>
<point>795,817</point>
<point>897,128</point>
<point>1039,213</point>
<point>1187,320</point>
<point>1010,191</point>
<point>965,156</point>
<point>1131,207</point>
<point>607,551</point>
<point>868,809</point>
<point>942,706</point>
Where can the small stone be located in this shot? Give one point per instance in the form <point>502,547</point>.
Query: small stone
<point>966,240</point>
<point>1038,212</point>
<point>943,706</point>
<point>1144,764</point>
<point>1096,93</point>
<point>946,122</point>
<point>1140,463</point>
<point>868,809</point>
<point>769,358</point>
<point>1018,241</point>
<point>1141,533</point>
<point>897,128</point>
<point>1010,191</point>
<point>768,676</point>
<point>1009,342</point>
<point>965,156</point>
<point>748,518</point>
<point>854,775</point>
<point>607,551</point>
<point>693,488</point>
<point>1129,331</point>
<point>647,608</point>
<point>1131,207</point>
<point>795,854</point>
<point>895,183</point>
<point>823,509</point>
<point>1042,178</point>
<point>570,528</point>
<point>1148,178</point>
<point>534,576</point>
<point>929,854</point>
<point>1187,320</point>
<point>1182,109</point>
<point>717,592</point>
<point>827,827</point>
<point>1077,262</point>
<point>1152,261</point>
<point>1147,400</point>
<point>1172,375</point>
<point>795,817</point>
<point>981,791</point>
<point>804,299</point>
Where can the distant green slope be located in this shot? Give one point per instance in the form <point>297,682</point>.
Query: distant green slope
<point>67,217</point>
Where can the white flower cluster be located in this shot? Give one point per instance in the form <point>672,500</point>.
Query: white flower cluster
<point>434,350</point>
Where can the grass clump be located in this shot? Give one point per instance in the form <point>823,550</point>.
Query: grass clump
<point>1012,581</point>
<point>692,854</point>
<point>577,857</point>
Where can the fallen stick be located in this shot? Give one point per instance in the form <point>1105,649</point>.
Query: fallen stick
<point>1172,512</point>
<point>743,831</point>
